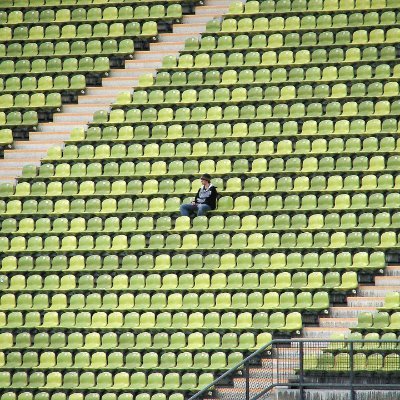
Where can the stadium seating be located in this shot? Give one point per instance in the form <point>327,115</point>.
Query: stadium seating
<point>386,320</point>
<point>294,111</point>
<point>371,355</point>
<point>51,50</point>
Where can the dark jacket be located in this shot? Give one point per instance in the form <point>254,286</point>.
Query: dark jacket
<point>207,196</point>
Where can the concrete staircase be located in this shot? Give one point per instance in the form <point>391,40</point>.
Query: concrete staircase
<point>101,98</point>
<point>339,320</point>
<point>368,297</point>
<point>260,378</point>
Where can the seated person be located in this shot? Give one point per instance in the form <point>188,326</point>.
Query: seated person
<point>205,200</point>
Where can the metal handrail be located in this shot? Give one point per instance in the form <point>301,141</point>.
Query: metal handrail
<point>229,372</point>
<point>284,341</point>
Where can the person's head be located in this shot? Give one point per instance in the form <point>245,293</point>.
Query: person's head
<point>205,179</point>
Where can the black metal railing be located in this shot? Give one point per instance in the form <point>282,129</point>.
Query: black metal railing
<point>303,364</point>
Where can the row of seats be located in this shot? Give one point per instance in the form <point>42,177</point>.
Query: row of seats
<point>72,4</point>
<point>223,168</point>
<point>381,321</point>
<point>309,128</point>
<point>372,341</point>
<point>7,395</point>
<point>126,301</point>
<point>95,14</point>
<point>252,73</point>
<point>55,66</point>
<point>240,146</point>
<point>226,204</point>
<point>41,182</point>
<point>146,224</point>
<point>85,31</point>
<point>18,118</point>
<point>244,143</point>
<point>185,186</point>
<point>49,51</point>
<point>246,72</point>
<point>365,108</point>
<point>359,37</point>
<point>157,205</point>
<point>282,57</point>
<point>251,148</point>
<point>340,129</point>
<point>248,24</point>
<point>378,363</point>
<point>392,301</point>
<point>150,321</point>
<point>188,281</point>
<point>182,186</point>
<point>139,341</point>
<point>63,206</point>
<point>115,360</point>
<point>37,100</point>
<point>136,381</point>
<point>6,137</point>
<point>264,6</point>
<point>181,169</point>
<point>200,224</point>
<point>191,241</point>
<point>43,84</point>
<point>309,261</point>
<point>284,6</point>
<point>257,93</point>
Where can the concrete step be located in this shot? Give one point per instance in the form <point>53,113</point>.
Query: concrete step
<point>190,28</point>
<point>60,127</point>
<point>9,179</point>
<point>107,91</point>
<point>155,63</point>
<point>36,144</point>
<point>18,162</point>
<point>119,81</point>
<point>175,37</point>
<point>323,333</point>
<point>130,73</point>
<point>168,46</point>
<point>257,373</point>
<point>286,353</point>
<point>17,154</point>
<point>152,55</point>
<point>39,136</point>
<point>365,301</point>
<point>235,393</point>
<point>376,291</point>
<point>93,99</point>
<point>73,117</point>
<point>199,18</point>
<point>387,280</point>
<point>255,383</point>
<point>8,172</point>
<point>337,322</point>
<point>217,10</point>
<point>84,108</point>
<point>392,270</point>
<point>348,312</point>
<point>219,2</point>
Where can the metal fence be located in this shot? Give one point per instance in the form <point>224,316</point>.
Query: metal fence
<point>302,364</point>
